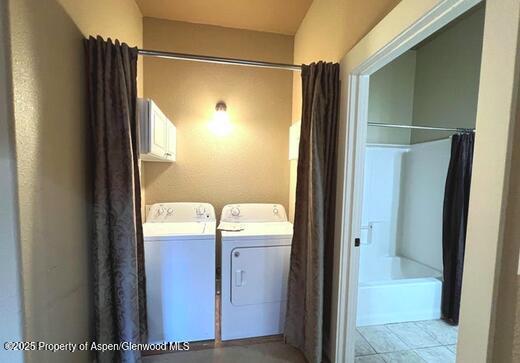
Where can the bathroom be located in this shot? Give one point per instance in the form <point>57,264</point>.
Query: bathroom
<point>412,101</point>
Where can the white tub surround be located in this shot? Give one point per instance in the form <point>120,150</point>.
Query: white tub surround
<point>396,289</point>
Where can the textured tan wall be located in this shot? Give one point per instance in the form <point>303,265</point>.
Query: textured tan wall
<point>249,165</point>
<point>328,31</point>
<point>115,19</point>
<point>11,307</point>
<point>53,164</point>
<point>490,240</point>
<point>507,334</point>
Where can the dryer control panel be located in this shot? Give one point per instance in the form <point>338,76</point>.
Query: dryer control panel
<point>181,212</point>
<point>253,213</point>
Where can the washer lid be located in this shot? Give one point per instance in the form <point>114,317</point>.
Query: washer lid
<point>187,230</point>
<point>256,230</point>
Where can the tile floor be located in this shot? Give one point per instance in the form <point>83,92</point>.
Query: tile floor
<point>431,341</point>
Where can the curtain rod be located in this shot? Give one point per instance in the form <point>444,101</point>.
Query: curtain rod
<point>432,128</point>
<point>220,60</point>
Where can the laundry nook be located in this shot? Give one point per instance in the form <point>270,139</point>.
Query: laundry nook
<point>182,289</point>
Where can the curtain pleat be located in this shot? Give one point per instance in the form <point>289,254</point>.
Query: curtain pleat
<point>118,249</point>
<point>455,221</point>
<point>308,316</point>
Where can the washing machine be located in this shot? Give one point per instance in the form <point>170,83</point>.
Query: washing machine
<point>179,245</point>
<point>255,253</point>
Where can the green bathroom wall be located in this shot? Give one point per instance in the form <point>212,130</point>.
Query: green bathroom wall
<point>434,84</point>
<point>391,93</point>
<point>447,77</point>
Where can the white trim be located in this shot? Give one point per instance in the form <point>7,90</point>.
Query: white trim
<point>407,25</point>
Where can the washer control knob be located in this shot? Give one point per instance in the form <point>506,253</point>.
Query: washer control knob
<point>235,211</point>
<point>236,254</point>
<point>275,211</point>
<point>169,211</point>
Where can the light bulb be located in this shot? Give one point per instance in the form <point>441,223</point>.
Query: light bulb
<point>220,124</point>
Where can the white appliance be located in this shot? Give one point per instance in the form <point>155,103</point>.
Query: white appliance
<point>256,248</point>
<point>179,244</point>
<point>158,135</point>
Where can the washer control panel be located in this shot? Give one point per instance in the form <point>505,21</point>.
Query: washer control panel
<point>180,212</point>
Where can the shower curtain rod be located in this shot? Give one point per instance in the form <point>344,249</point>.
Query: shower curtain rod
<point>432,128</point>
<point>220,60</point>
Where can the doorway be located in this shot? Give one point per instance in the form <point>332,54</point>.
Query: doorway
<point>359,66</point>
<point>407,306</point>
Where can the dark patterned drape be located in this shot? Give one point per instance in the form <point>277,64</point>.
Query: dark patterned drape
<point>118,251</point>
<point>455,222</point>
<point>307,324</point>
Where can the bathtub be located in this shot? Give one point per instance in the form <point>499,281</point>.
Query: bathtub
<point>397,289</point>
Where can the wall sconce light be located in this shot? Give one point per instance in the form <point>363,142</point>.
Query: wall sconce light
<point>220,124</point>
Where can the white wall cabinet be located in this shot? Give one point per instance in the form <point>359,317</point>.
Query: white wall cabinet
<point>158,139</point>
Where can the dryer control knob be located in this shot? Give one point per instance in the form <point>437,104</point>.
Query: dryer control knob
<point>235,211</point>
<point>236,254</point>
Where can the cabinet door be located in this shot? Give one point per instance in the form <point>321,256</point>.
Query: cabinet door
<point>158,131</point>
<point>171,151</point>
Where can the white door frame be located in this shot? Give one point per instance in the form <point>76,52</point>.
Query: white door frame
<point>407,25</point>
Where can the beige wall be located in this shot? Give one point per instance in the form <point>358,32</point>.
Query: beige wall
<point>507,335</point>
<point>11,308</point>
<point>328,31</point>
<point>115,19</point>
<point>249,165</point>
<point>492,235</point>
<point>51,141</point>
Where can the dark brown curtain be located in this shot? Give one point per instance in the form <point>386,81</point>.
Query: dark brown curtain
<point>455,221</point>
<point>118,250</point>
<point>307,324</point>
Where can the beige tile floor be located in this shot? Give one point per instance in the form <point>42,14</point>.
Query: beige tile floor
<point>431,341</point>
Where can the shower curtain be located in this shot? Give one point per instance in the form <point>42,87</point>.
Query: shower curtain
<point>118,250</point>
<point>455,220</point>
<point>307,323</point>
